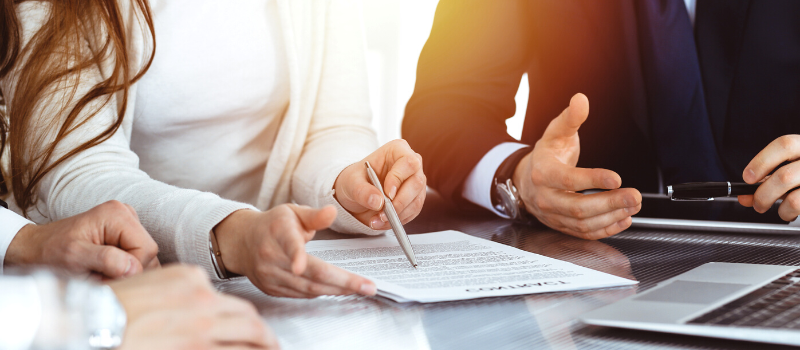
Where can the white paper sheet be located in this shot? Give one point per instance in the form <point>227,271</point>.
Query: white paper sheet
<point>456,266</point>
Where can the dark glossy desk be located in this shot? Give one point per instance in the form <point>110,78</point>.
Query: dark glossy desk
<point>540,321</point>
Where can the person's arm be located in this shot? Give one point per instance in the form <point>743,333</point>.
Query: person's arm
<point>178,219</point>
<point>340,138</point>
<point>10,225</point>
<point>468,74</point>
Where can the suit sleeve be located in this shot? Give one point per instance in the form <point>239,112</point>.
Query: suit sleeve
<point>468,74</point>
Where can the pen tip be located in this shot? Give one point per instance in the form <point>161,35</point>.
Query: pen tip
<point>415,266</point>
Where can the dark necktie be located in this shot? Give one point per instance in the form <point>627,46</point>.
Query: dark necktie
<point>679,122</point>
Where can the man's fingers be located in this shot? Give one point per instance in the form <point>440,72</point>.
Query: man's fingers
<point>315,219</point>
<point>607,231</point>
<point>111,261</point>
<point>790,208</point>
<point>403,168</point>
<point>322,272</point>
<point>746,200</point>
<point>784,148</point>
<point>589,225</point>
<point>153,264</point>
<point>570,120</point>
<point>122,228</point>
<point>582,206</point>
<point>568,178</point>
<point>776,186</point>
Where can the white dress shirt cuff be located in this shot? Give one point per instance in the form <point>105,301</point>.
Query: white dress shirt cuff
<point>10,224</point>
<point>478,186</point>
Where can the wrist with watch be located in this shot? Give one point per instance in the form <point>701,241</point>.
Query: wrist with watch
<point>505,197</point>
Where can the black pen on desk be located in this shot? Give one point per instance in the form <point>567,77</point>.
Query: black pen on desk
<point>706,191</point>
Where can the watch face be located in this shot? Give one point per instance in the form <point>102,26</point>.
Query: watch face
<point>507,201</point>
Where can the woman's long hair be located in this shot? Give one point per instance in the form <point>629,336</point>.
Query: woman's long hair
<point>51,62</point>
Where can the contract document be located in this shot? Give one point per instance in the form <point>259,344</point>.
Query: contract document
<point>456,266</point>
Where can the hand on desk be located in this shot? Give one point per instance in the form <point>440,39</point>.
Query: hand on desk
<point>177,308</point>
<point>778,185</point>
<point>548,180</point>
<point>106,240</point>
<point>400,169</point>
<point>269,248</point>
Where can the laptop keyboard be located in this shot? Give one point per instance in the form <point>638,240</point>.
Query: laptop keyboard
<point>775,305</point>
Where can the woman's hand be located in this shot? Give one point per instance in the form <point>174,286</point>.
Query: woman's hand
<point>106,240</point>
<point>269,248</point>
<point>400,169</point>
<point>778,185</point>
<point>177,308</point>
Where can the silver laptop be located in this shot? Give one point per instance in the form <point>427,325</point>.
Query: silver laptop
<point>750,302</point>
<point>721,214</point>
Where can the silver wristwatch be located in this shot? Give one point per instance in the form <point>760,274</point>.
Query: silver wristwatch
<point>508,199</point>
<point>505,197</point>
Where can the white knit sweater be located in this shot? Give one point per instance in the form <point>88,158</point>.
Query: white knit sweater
<point>325,128</point>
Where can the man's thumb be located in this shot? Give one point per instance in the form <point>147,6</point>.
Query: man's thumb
<point>570,120</point>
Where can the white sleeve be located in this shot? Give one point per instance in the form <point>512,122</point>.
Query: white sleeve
<point>340,132</point>
<point>10,224</point>
<point>478,186</point>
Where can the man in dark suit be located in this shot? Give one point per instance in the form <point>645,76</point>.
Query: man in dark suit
<point>681,90</point>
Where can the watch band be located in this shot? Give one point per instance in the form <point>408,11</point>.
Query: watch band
<point>504,192</point>
<point>216,257</point>
<point>506,169</point>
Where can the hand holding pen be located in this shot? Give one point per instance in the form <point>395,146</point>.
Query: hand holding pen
<point>400,170</point>
<point>761,190</point>
<point>781,184</point>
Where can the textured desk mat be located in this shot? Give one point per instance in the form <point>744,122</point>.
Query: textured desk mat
<point>542,321</point>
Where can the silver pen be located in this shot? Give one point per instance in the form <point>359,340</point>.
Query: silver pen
<point>394,220</point>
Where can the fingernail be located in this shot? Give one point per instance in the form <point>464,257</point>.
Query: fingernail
<point>392,192</point>
<point>383,217</point>
<point>749,175</point>
<point>629,210</point>
<point>375,223</point>
<point>368,289</point>
<point>625,202</point>
<point>609,183</point>
<point>129,268</point>
<point>374,202</point>
<point>622,224</point>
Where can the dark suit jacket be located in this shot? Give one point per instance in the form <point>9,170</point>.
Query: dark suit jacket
<point>471,66</point>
